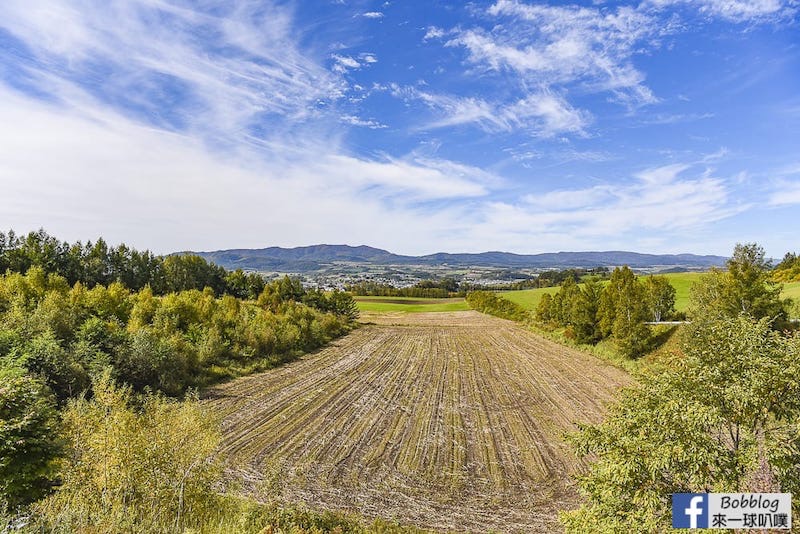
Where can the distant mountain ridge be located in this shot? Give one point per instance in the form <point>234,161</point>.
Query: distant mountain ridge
<point>317,257</point>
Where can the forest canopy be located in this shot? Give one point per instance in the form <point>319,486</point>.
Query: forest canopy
<point>98,263</point>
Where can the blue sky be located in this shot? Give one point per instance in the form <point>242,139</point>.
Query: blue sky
<point>656,125</point>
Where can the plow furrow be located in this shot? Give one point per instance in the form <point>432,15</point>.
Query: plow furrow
<point>451,421</point>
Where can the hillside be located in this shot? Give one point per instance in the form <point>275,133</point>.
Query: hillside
<point>318,257</point>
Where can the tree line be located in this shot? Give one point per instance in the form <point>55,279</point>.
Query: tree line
<point>618,309</point>
<point>443,288</point>
<point>621,309</point>
<point>788,270</point>
<point>98,263</point>
<point>720,414</point>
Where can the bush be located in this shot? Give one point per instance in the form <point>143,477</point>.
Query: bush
<point>145,469</point>
<point>28,438</point>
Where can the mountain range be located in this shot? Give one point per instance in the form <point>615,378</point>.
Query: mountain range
<point>319,257</point>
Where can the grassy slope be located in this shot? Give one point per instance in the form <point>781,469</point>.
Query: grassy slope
<point>793,291</point>
<point>410,304</point>
<point>682,282</point>
<point>528,298</point>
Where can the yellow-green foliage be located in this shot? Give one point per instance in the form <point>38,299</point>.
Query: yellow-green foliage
<point>725,417</point>
<point>788,270</point>
<point>168,343</point>
<point>135,469</point>
<point>248,517</point>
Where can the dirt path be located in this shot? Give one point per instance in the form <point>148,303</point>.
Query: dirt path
<point>443,420</point>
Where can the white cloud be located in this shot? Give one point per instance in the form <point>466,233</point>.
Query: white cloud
<point>674,118</point>
<point>344,63</point>
<point>562,45</point>
<point>185,151</point>
<point>736,10</point>
<point>658,200</point>
<point>415,179</point>
<point>662,176</point>
<point>543,114</point>
<point>553,114</point>
<point>356,121</point>
<point>145,56</point>
<point>433,33</point>
<point>373,15</point>
<point>785,189</point>
<point>561,200</point>
<point>109,176</point>
<point>788,193</point>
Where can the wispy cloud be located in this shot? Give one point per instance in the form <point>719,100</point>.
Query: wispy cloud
<point>344,63</point>
<point>135,99</point>
<point>367,123</point>
<point>675,118</point>
<point>179,195</point>
<point>433,33</point>
<point>562,45</point>
<point>564,49</point>
<point>232,111</point>
<point>659,198</point>
<point>785,189</point>
<point>737,10</point>
<point>788,193</point>
<point>543,114</point>
<point>220,64</point>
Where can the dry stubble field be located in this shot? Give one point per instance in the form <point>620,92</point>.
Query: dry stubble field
<point>442,420</point>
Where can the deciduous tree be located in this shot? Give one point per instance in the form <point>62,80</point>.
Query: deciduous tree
<point>659,297</point>
<point>724,418</point>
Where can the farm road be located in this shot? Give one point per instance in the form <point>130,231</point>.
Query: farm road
<point>451,421</point>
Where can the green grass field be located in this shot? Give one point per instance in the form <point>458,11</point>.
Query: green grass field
<point>682,282</point>
<point>528,298</point>
<point>410,304</point>
<point>792,291</point>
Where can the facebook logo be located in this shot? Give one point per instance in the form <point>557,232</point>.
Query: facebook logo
<point>690,510</point>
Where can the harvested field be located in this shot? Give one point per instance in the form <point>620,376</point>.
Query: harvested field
<point>443,420</point>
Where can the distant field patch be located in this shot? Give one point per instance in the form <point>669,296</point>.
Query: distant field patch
<point>792,291</point>
<point>528,298</point>
<point>410,304</point>
<point>682,282</point>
